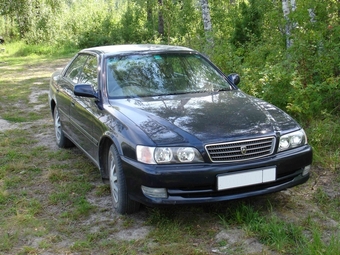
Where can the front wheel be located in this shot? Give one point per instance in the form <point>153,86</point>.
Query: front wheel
<point>119,193</point>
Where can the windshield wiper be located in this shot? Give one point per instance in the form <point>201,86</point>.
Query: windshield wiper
<point>219,90</point>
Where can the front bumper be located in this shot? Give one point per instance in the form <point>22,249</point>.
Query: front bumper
<point>197,183</point>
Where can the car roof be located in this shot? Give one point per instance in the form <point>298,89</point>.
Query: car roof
<point>136,48</point>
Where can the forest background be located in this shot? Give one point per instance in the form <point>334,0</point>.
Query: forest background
<point>286,51</point>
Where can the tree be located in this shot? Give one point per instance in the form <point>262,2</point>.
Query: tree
<point>287,7</point>
<point>207,24</point>
<point>248,26</point>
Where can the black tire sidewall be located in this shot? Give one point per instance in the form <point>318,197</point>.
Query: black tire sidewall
<point>124,205</point>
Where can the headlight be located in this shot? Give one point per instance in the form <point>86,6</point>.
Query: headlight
<point>167,155</point>
<point>163,155</point>
<point>292,140</point>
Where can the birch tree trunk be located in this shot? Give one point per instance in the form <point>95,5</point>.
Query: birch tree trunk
<point>312,15</point>
<point>287,7</point>
<point>207,23</point>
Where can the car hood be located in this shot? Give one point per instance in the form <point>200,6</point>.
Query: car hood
<point>204,117</point>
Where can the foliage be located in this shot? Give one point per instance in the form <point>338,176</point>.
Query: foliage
<point>248,26</point>
<point>29,19</point>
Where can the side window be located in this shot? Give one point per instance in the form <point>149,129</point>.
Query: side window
<point>75,69</point>
<point>90,73</point>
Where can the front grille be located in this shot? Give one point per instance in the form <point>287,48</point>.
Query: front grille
<point>240,150</point>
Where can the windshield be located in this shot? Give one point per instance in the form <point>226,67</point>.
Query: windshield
<point>162,74</point>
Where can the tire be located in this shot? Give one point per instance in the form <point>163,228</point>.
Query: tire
<point>122,204</point>
<point>61,139</point>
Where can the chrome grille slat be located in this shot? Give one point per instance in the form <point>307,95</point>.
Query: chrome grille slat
<point>231,151</point>
<point>237,150</point>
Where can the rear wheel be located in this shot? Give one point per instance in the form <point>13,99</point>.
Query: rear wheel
<point>61,139</point>
<point>121,201</point>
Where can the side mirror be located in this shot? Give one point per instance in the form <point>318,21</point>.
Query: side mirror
<point>234,78</point>
<point>84,90</point>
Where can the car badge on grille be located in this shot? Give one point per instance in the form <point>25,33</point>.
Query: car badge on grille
<point>244,150</point>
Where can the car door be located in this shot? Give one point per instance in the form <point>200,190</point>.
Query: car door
<point>84,111</point>
<point>64,93</point>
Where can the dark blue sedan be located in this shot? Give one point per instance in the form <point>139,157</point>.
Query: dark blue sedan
<point>166,126</point>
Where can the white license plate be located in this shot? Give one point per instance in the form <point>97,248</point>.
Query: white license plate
<point>256,176</point>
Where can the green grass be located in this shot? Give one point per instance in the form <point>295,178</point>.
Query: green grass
<point>35,52</point>
<point>52,200</point>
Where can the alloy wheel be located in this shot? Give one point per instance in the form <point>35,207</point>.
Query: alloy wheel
<point>113,178</point>
<point>57,126</point>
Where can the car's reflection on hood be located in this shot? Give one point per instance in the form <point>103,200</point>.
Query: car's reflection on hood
<point>207,116</point>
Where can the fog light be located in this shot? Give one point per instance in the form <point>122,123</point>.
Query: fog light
<point>306,170</point>
<point>154,192</point>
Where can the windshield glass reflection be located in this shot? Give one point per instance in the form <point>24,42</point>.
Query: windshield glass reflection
<point>161,74</point>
